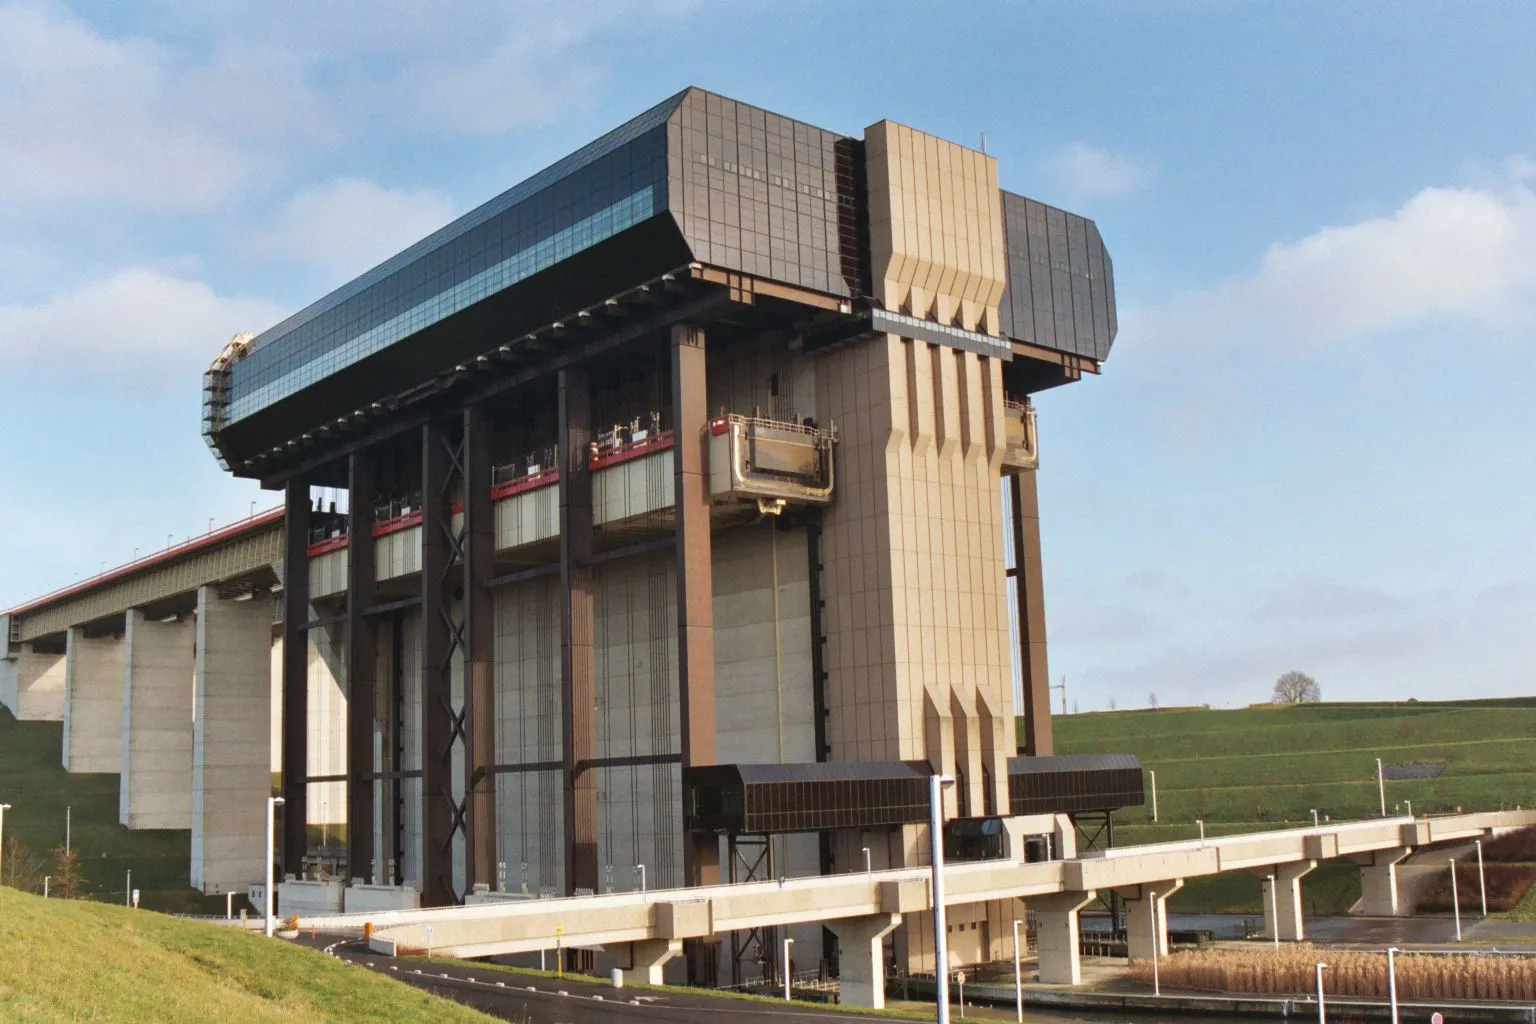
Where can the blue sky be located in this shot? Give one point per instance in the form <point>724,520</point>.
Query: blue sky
<point>1312,447</point>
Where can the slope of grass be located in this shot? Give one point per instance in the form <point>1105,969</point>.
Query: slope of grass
<point>64,960</point>
<point>1269,767</point>
<point>38,789</point>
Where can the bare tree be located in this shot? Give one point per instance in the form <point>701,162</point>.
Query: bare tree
<point>68,880</point>
<point>22,869</point>
<point>1296,688</point>
<point>1152,699</point>
<point>1112,704</point>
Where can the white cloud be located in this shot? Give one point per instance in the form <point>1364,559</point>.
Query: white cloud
<point>348,225</point>
<point>98,119</point>
<point>1464,253</point>
<point>1088,173</point>
<point>136,320</point>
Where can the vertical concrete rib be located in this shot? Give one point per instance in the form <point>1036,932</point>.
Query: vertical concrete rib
<point>93,703</point>
<point>1030,581</point>
<point>231,752</point>
<point>438,455</point>
<point>695,584</point>
<point>480,650</point>
<point>577,656</point>
<point>155,770</point>
<point>295,682</point>
<point>361,665</point>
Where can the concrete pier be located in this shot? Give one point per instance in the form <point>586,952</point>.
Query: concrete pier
<point>32,684</point>
<point>93,703</point>
<point>1142,943</point>
<point>1378,881</point>
<point>861,958</point>
<point>1282,910</point>
<point>155,783</point>
<point>1057,937</point>
<point>231,748</point>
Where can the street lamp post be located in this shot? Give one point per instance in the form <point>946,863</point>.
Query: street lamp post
<point>867,868</point>
<point>936,784</point>
<point>1482,882</point>
<point>1392,981</point>
<point>1455,899</point>
<point>1314,819</point>
<point>1157,943</point>
<point>1322,1014</point>
<point>1153,773</point>
<point>1381,787</point>
<point>128,890</point>
<point>787,978</point>
<point>1409,804</point>
<point>1274,909</point>
<point>3,809</point>
<point>1201,822</point>
<point>1018,975</point>
<point>273,803</point>
<point>640,873</point>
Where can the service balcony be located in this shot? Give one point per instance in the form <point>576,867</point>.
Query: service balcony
<point>1021,450</point>
<point>774,463</point>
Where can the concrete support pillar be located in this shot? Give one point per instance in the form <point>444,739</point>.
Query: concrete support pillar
<point>361,667</point>
<point>33,684</point>
<point>1142,940</point>
<point>695,578</point>
<point>578,672</point>
<point>479,651</point>
<point>648,958</point>
<point>93,703</point>
<point>231,753</point>
<point>1057,937</point>
<point>1378,881</point>
<point>155,756</point>
<point>1286,902</point>
<point>295,676</point>
<point>861,958</point>
<point>1025,499</point>
<point>441,640</point>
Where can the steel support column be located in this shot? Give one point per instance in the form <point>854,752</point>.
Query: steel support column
<point>695,579</point>
<point>480,652</point>
<point>1025,499</point>
<point>577,643</point>
<point>442,637</point>
<point>362,666</point>
<point>295,673</point>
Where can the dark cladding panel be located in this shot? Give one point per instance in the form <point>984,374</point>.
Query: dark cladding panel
<point>804,797</point>
<point>1059,288</point>
<point>1074,783</point>
<point>765,195</point>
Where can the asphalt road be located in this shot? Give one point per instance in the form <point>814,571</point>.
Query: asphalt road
<point>529,999</point>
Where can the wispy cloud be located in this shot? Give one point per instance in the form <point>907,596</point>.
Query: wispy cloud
<point>1448,252</point>
<point>1087,172</point>
<point>135,320</point>
<point>347,225</point>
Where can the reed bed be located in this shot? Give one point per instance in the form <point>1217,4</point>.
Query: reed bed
<point>1507,886</point>
<point>1291,971</point>
<point>1518,847</point>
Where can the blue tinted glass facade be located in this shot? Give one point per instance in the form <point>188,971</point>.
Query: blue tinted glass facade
<point>593,194</point>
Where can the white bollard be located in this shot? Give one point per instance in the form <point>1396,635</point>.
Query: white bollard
<point>616,976</point>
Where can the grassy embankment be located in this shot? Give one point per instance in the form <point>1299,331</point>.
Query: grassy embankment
<point>39,789</point>
<point>1268,767</point>
<point>64,960</point>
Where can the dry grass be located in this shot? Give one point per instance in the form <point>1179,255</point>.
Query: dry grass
<point>66,961</point>
<point>1507,886</point>
<point>1291,971</point>
<point>1518,847</point>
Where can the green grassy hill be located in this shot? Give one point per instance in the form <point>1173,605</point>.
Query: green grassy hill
<point>1270,766</point>
<point>64,960</point>
<point>39,789</point>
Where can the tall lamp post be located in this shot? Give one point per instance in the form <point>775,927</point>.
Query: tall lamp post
<point>788,978</point>
<point>1381,787</point>
<point>1455,899</point>
<point>1392,981</point>
<point>3,809</point>
<point>1018,975</point>
<point>936,784</point>
<point>1322,1014</point>
<point>1482,881</point>
<point>273,803</point>
<point>1153,773</point>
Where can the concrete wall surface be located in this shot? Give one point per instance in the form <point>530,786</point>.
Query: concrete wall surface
<point>93,703</point>
<point>155,783</point>
<point>231,745</point>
